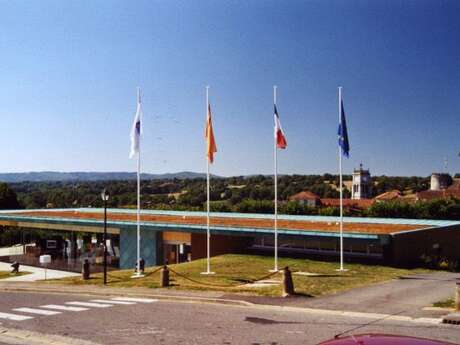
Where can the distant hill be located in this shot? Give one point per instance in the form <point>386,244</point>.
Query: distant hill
<point>42,176</point>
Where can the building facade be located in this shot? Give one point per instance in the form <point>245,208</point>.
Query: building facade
<point>174,237</point>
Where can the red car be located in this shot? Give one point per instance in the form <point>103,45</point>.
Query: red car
<point>382,339</point>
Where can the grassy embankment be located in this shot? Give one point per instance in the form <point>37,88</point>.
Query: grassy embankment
<point>6,274</point>
<point>237,270</point>
<point>448,303</point>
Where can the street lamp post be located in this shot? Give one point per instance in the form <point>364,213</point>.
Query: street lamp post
<point>105,198</point>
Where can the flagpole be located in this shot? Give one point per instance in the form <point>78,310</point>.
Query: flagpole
<point>138,271</point>
<point>341,185</point>
<point>275,159</point>
<point>138,211</point>
<point>208,235</point>
<point>208,231</point>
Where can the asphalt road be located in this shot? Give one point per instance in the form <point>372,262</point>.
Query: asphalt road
<point>407,295</point>
<point>162,322</point>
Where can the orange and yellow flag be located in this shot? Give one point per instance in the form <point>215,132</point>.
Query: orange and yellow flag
<point>211,147</point>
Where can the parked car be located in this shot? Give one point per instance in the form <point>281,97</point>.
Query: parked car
<point>382,339</point>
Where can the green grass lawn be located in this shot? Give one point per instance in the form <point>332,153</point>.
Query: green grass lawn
<point>234,270</point>
<point>7,274</point>
<point>448,303</point>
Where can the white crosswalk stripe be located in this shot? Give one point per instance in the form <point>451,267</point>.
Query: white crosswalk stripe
<point>14,317</point>
<point>133,299</point>
<point>89,304</point>
<point>74,306</point>
<point>63,307</point>
<point>37,311</point>
<point>112,301</point>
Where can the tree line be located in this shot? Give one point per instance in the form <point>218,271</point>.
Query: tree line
<point>247,194</point>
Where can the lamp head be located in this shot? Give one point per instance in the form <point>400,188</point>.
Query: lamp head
<point>105,195</point>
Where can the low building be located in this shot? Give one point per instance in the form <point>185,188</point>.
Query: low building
<point>306,198</point>
<point>311,199</point>
<point>442,187</point>
<point>177,236</point>
<point>428,195</point>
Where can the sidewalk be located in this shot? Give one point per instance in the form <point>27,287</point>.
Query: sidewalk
<point>36,273</point>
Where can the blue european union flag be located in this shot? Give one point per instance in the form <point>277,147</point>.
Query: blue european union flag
<point>343,133</point>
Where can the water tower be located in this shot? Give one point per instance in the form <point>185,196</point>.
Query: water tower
<point>440,181</point>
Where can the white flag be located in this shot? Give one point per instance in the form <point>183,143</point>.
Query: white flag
<point>136,129</point>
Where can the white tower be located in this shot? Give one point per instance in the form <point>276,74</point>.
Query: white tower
<point>440,181</point>
<point>361,183</point>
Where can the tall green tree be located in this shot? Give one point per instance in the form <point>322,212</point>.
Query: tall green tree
<point>8,198</point>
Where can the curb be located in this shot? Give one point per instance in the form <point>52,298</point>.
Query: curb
<point>354,314</point>
<point>15,336</point>
<point>440,309</point>
<point>453,318</point>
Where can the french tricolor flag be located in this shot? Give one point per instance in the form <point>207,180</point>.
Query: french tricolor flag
<point>280,139</point>
<point>136,129</point>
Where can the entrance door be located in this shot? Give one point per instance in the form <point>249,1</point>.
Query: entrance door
<point>175,253</point>
<point>177,247</point>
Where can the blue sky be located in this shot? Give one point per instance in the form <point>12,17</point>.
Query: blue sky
<point>69,72</point>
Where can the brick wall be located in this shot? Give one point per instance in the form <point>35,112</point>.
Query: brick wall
<point>407,248</point>
<point>220,244</point>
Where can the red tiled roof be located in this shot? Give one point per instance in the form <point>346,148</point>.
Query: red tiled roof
<point>390,195</point>
<point>455,186</point>
<point>438,194</point>
<point>349,203</point>
<point>305,195</point>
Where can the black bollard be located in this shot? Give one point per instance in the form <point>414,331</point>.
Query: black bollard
<point>15,266</point>
<point>85,270</point>
<point>142,265</point>
<point>164,276</point>
<point>288,284</point>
